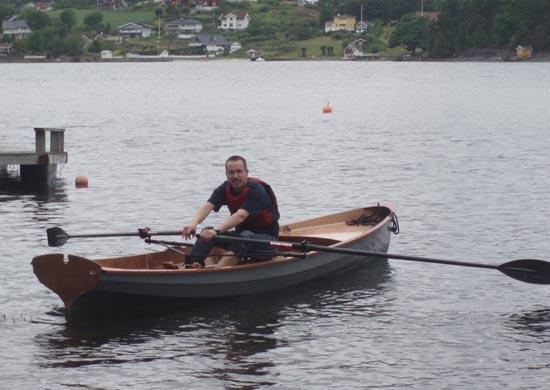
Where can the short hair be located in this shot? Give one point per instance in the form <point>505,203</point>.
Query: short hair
<point>237,158</point>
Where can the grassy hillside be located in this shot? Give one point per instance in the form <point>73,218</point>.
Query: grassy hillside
<point>114,18</point>
<point>279,30</point>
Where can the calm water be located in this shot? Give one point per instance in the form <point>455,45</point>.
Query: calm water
<point>461,148</point>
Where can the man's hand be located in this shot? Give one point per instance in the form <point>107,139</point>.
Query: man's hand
<point>188,231</point>
<point>208,233</point>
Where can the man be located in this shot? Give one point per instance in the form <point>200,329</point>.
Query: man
<point>254,214</point>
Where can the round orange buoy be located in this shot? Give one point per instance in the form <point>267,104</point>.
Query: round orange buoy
<point>327,109</point>
<point>81,182</point>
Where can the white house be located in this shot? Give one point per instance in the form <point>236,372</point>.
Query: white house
<point>308,2</point>
<point>206,5</point>
<point>361,27</point>
<point>234,21</point>
<point>15,28</point>
<point>235,46</point>
<point>183,26</point>
<point>135,30</point>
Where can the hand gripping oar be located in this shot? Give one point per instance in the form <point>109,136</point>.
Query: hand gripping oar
<point>58,237</point>
<point>525,270</point>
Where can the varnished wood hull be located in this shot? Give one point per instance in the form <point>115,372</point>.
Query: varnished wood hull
<point>142,278</point>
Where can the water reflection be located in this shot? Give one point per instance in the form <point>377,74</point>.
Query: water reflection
<point>11,188</point>
<point>533,323</point>
<point>226,340</point>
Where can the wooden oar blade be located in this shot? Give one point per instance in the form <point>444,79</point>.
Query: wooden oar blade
<point>56,236</point>
<point>527,270</point>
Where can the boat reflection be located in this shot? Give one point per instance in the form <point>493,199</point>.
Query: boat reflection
<point>533,323</point>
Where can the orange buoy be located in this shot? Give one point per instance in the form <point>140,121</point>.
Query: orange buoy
<point>327,109</point>
<point>81,182</point>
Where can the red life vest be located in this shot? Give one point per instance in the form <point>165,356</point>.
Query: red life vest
<point>265,217</point>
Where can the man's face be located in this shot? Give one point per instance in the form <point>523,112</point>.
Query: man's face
<point>236,174</point>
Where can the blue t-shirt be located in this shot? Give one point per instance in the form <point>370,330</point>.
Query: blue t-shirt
<point>256,200</point>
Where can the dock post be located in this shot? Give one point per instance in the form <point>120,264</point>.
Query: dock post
<point>40,140</point>
<point>43,172</point>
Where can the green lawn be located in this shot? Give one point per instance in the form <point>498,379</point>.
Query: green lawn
<point>114,18</point>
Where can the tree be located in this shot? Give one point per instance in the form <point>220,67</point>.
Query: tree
<point>410,32</point>
<point>505,25</point>
<point>95,47</point>
<point>93,21</point>
<point>68,19</point>
<point>73,46</point>
<point>36,20</point>
<point>5,11</point>
<point>34,43</point>
<point>326,10</point>
<point>303,51</point>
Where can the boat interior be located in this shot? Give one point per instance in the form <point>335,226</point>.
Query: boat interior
<point>327,231</point>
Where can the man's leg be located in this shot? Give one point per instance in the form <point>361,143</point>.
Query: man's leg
<point>254,250</point>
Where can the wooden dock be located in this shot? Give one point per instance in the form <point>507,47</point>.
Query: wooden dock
<point>38,166</point>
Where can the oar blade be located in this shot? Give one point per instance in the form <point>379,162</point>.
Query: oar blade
<point>56,236</point>
<point>527,270</point>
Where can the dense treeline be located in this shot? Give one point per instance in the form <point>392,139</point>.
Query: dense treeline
<point>467,24</point>
<point>462,24</point>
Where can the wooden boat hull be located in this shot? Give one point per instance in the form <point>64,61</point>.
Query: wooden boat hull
<point>79,280</point>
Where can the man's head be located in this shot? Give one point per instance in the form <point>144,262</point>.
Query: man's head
<point>236,171</point>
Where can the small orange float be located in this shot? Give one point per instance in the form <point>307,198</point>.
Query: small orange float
<point>81,182</point>
<point>327,109</point>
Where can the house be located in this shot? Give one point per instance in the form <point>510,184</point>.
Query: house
<point>429,15</point>
<point>524,51</point>
<point>135,30</point>
<point>114,4</point>
<point>112,39</point>
<point>207,5</point>
<point>304,3</point>
<point>5,49</point>
<point>185,26</point>
<point>17,29</point>
<point>341,23</point>
<point>361,27</point>
<point>355,50</point>
<point>40,6</point>
<point>212,44</point>
<point>237,21</point>
<point>235,46</point>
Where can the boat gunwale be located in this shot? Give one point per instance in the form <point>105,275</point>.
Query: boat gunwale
<point>269,263</point>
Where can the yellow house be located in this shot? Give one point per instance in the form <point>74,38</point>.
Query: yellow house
<point>341,23</point>
<point>524,52</point>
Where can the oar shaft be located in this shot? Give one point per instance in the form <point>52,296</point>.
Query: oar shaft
<point>401,257</point>
<point>307,247</point>
<point>127,234</point>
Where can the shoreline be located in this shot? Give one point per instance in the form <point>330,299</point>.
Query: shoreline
<point>475,56</point>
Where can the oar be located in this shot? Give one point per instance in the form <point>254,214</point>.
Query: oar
<point>525,270</point>
<point>58,236</point>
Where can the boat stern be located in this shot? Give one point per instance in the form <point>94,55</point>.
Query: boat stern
<point>69,278</point>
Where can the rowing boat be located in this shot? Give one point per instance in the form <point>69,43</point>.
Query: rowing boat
<point>162,276</point>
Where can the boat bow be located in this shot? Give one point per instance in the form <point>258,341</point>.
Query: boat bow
<point>67,278</point>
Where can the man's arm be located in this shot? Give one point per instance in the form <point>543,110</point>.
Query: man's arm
<point>201,214</point>
<point>231,221</point>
